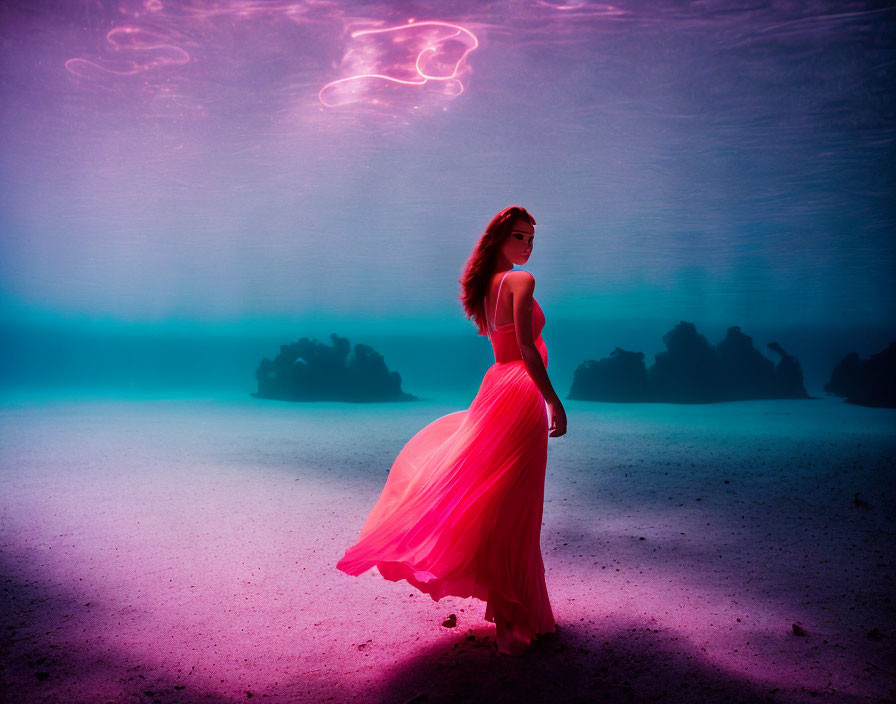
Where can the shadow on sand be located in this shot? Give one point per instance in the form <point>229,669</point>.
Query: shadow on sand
<point>573,666</point>
<point>47,655</point>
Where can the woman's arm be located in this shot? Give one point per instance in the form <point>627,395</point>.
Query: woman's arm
<point>522,285</point>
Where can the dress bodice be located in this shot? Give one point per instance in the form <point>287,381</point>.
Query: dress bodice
<point>503,337</point>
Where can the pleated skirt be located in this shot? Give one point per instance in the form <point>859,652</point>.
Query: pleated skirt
<point>461,511</point>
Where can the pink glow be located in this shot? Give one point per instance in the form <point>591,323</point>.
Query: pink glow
<point>593,8</point>
<point>434,61</point>
<point>246,9</point>
<point>206,560</point>
<point>130,38</point>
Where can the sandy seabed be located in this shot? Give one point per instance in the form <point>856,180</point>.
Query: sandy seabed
<point>184,550</point>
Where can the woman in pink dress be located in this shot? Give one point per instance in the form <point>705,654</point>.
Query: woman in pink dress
<point>461,509</point>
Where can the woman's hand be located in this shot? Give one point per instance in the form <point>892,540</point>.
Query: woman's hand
<point>558,419</point>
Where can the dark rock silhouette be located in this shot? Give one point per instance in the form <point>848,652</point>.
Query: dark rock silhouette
<point>621,377</point>
<point>866,382</point>
<point>691,371</point>
<point>846,376</point>
<point>685,373</point>
<point>788,375</point>
<point>309,370</point>
<point>744,372</point>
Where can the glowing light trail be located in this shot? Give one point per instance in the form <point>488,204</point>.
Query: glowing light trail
<point>135,39</point>
<point>422,75</point>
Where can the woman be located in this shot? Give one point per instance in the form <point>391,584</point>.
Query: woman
<point>461,510</point>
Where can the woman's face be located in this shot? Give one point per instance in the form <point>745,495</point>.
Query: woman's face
<point>518,245</point>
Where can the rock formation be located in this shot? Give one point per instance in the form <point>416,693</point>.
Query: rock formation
<point>866,382</point>
<point>619,377</point>
<point>309,370</point>
<point>691,370</point>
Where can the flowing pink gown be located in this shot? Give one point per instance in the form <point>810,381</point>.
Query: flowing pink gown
<point>461,510</point>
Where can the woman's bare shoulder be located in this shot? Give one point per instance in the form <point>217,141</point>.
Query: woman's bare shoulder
<point>521,281</point>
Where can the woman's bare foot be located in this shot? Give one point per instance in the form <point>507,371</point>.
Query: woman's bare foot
<point>508,640</point>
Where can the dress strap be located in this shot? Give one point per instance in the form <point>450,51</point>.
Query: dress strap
<point>498,297</point>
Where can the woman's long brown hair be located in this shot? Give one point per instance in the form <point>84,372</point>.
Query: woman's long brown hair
<point>481,264</point>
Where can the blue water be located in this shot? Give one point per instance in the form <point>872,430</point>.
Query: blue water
<point>185,186</point>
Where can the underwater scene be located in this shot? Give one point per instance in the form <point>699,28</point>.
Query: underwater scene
<point>252,282</point>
